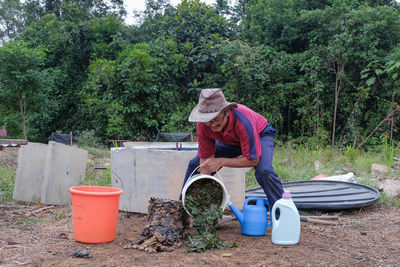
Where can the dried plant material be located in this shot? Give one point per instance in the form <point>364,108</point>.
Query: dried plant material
<point>165,228</point>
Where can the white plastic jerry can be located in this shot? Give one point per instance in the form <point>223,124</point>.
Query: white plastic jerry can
<point>285,229</point>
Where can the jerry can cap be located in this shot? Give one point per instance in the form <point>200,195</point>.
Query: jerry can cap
<point>286,194</point>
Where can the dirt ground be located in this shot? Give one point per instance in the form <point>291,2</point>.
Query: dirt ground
<point>35,235</point>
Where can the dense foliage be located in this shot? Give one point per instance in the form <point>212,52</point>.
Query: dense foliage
<point>326,71</point>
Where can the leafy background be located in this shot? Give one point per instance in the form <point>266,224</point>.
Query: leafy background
<point>322,72</point>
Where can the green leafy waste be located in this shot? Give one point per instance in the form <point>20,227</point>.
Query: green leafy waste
<point>203,199</point>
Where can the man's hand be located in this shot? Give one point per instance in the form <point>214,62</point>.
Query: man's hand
<point>211,165</point>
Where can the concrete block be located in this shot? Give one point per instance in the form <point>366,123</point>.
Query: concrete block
<point>30,172</point>
<point>159,172</point>
<point>379,170</point>
<point>391,187</point>
<point>46,172</point>
<point>65,167</point>
<point>163,145</point>
<point>235,183</point>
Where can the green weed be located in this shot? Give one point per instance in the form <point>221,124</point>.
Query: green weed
<point>7,178</point>
<point>251,181</point>
<point>98,170</point>
<point>357,223</point>
<point>98,152</point>
<point>29,221</point>
<point>98,177</point>
<point>89,139</point>
<point>388,150</point>
<point>351,153</point>
<point>294,164</point>
<point>60,215</point>
<point>393,202</point>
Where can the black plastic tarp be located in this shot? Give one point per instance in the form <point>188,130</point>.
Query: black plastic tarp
<point>62,138</point>
<point>174,137</point>
<point>326,195</point>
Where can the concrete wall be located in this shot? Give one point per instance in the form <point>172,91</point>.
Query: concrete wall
<point>30,172</point>
<point>65,167</point>
<point>162,145</point>
<point>46,172</point>
<point>150,172</point>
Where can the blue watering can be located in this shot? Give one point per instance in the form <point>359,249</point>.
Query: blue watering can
<point>254,218</point>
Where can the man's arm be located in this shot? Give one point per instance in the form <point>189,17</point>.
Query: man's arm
<point>212,164</point>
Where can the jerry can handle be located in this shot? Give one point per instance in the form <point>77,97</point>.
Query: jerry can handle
<point>275,221</point>
<point>269,222</point>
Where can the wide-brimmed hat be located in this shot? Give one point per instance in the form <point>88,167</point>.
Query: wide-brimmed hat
<point>211,103</point>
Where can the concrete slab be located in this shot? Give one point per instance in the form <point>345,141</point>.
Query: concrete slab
<point>391,187</point>
<point>150,172</point>
<point>379,170</point>
<point>30,172</point>
<point>162,145</point>
<point>65,167</point>
<point>46,172</point>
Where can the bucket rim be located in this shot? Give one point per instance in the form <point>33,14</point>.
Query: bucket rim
<point>192,179</point>
<point>79,190</point>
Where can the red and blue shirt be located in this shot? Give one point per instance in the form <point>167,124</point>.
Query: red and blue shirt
<point>243,130</point>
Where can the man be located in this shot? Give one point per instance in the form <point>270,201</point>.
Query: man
<point>232,135</point>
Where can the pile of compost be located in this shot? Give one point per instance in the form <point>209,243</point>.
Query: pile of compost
<point>203,200</point>
<point>165,226</point>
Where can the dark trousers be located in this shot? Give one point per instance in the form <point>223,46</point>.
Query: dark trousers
<point>264,172</point>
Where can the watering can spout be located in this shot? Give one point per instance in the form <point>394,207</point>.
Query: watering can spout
<point>238,214</point>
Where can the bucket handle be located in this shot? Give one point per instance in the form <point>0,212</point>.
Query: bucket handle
<point>105,168</point>
<point>219,176</point>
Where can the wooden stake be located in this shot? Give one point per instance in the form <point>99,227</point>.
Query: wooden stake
<point>305,219</point>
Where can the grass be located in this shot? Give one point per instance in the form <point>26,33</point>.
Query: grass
<point>98,177</point>
<point>303,163</point>
<point>357,223</point>
<point>299,164</point>
<point>291,164</point>
<point>29,221</point>
<point>98,171</point>
<point>60,215</point>
<point>7,178</point>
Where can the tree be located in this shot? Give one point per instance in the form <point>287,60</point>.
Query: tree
<point>351,38</point>
<point>22,80</point>
<point>108,37</point>
<point>11,19</point>
<point>35,9</point>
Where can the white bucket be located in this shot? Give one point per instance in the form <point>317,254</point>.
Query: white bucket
<point>197,177</point>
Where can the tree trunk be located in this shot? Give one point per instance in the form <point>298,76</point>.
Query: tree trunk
<point>22,108</point>
<point>339,68</point>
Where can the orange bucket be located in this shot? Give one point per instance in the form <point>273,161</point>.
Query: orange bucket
<point>95,213</point>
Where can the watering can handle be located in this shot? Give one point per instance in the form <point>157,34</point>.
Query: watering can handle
<point>249,199</point>
<point>219,176</point>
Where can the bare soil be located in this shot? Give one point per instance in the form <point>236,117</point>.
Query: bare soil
<point>36,235</point>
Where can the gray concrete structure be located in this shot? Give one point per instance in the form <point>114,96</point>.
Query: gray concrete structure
<point>46,172</point>
<point>144,170</point>
<point>30,172</point>
<point>65,167</point>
